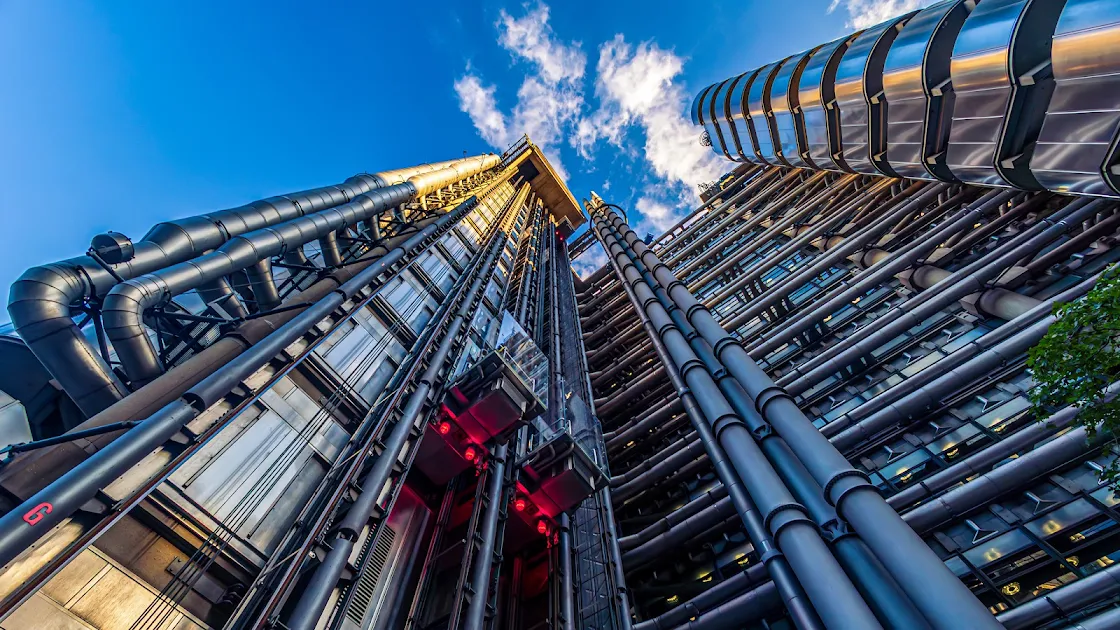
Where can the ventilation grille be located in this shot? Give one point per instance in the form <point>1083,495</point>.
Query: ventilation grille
<point>371,575</point>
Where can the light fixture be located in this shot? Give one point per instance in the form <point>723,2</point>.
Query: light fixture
<point>444,428</point>
<point>519,505</point>
<point>470,454</point>
<point>542,527</point>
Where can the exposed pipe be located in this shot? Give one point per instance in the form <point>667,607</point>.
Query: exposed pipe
<point>1100,586</point>
<point>741,609</point>
<point>70,491</point>
<point>751,172</point>
<point>639,426</point>
<point>887,600</point>
<point>1028,326</point>
<point>970,279</point>
<point>323,581</point>
<point>671,519</point>
<point>484,560</point>
<point>880,271</point>
<point>125,304</point>
<point>1107,620</point>
<point>826,229</point>
<point>776,292</point>
<point>980,462</point>
<point>564,550</point>
<point>829,589</point>
<point>679,532</point>
<point>41,299</point>
<point>714,596</point>
<point>945,602</point>
<point>793,595</point>
<point>1018,472</point>
<point>926,397</point>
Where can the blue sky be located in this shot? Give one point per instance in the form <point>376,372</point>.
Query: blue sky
<point>118,115</point>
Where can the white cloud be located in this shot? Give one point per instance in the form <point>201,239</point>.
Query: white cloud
<point>640,113</point>
<point>590,260</point>
<point>637,87</point>
<point>550,98</point>
<point>865,13</point>
<point>531,38</point>
<point>656,217</point>
<point>478,102</point>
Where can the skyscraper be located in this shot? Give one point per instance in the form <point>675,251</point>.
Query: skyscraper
<point>390,403</point>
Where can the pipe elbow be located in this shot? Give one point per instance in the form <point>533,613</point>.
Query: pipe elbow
<point>39,300</point>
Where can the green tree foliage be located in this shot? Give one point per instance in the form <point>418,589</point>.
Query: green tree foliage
<point>1079,357</point>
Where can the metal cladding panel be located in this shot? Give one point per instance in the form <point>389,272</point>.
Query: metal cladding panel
<point>982,82</point>
<point>788,116</point>
<point>918,93</point>
<point>722,112</point>
<point>817,97</point>
<point>1077,146</point>
<point>738,118</point>
<point>701,116</point>
<point>859,84</point>
<point>783,110</point>
<point>739,112</point>
<point>997,117</point>
<point>715,114</point>
<point>759,119</point>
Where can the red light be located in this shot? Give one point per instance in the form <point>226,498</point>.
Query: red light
<point>444,428</point>
<point>542,527</point>
<point>470,454</point>
<point>519,505</point>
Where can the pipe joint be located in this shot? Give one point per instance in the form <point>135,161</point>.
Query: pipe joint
<point>768,396</point>
<point>843,483</point>
<point>725,422</point>
<point>785,514</point>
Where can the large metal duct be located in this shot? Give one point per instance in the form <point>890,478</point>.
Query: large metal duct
<point>1077,146</point>
<point>817,96</point>
<point>785,103</point>
<point>918,93</point>
<point>1000,76</point>
<point>1022,94</point>
<point>859,87</point>
<point>762,112</point>
<point>887,600</point>
<point>125,305</point>
<point>702,115</point>
<point>72,490</point>
<point>729,588</point>
<point>41,302</point>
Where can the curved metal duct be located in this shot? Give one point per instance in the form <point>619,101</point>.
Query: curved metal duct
<point>1000,74</point>
<point>762,113</point>
<point>1077,146</point>
<point>817,97</point>
<point>702,116</point>
<point>859,90</point>
<point>41,302</point>
<point>919,93</point>
<point>716,108</point>
<point>738,113</point>
<point>742,144</point>
<point>785,100</point>
<point>124,307</point>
